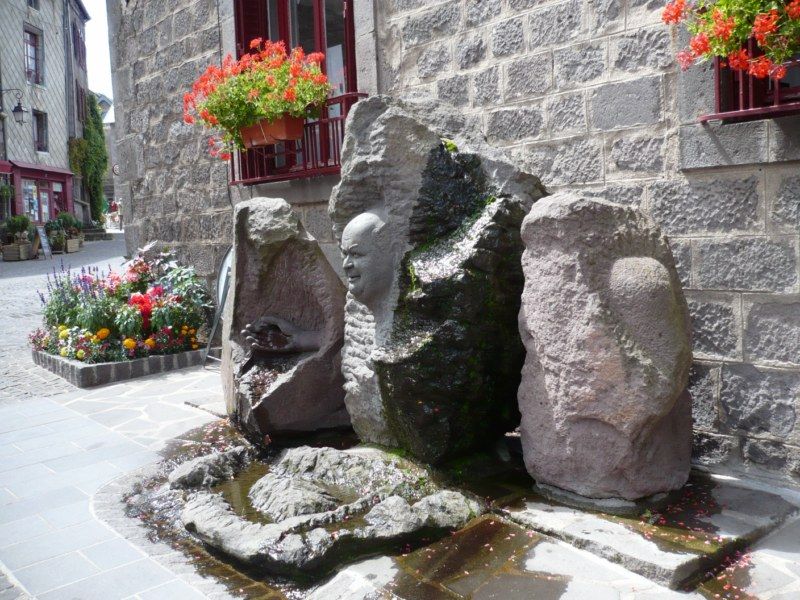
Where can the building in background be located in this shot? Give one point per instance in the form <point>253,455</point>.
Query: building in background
<point>43,67</point>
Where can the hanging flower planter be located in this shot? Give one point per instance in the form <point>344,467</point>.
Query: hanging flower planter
<point>263,98</point>
<point>282,129</point>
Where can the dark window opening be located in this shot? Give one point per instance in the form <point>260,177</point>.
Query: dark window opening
<point>317,26</point>
<point>40,131</point>
<point>34,4</point>
<point>33,56</point>
<point>742,97</point>
<point>78,46</point>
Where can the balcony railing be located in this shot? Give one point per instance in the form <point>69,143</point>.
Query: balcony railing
<point>318,153</point>
<point>742,97</point>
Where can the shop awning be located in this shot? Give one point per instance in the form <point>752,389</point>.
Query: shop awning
<point>42,168</point>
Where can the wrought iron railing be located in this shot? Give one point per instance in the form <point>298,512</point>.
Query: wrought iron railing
<point>743,97</point>
<point>318,153</point>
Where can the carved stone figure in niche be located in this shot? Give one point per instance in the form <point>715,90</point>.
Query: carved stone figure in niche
<point>431,246</point>
<point>283,326</point>
<point>605,412</point>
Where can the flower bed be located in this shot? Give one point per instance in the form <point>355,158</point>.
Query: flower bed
<point>154,308</point>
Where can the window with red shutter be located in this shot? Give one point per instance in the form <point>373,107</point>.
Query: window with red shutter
<point>317,26</point>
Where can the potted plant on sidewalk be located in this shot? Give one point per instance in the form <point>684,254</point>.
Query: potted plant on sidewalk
<point>19,249</point>
<point>263,98</point>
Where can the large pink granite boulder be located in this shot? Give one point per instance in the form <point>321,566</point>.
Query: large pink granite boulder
<point>605,412</point>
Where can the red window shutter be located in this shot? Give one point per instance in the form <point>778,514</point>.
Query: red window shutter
<point>251,23</point>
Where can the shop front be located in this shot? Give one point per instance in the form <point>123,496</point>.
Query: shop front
<point>40,192</point>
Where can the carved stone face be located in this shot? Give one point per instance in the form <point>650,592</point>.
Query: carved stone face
<point>368,259</point>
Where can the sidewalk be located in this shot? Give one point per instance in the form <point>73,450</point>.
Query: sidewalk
<point>59,445</point>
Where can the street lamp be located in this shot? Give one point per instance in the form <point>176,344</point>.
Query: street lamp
<point>17,111</point>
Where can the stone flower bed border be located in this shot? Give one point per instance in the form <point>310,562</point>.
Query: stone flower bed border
<point>83,376</point>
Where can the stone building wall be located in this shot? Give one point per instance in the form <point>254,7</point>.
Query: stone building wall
<point>49,97</point>
<point>586,94</point>
<point>172,191</point>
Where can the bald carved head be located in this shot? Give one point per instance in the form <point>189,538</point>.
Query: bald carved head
<point>368,258</point>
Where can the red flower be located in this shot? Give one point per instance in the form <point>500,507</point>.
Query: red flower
<point>673,12</point>
<point>739,60</point>
<point>188,119</point>
<point>764,25</point>
<point>255,43</point>
<point>793,9</point>
<point>699,45</point>
<point>225,155</point>
<point>252,94</point>
<point>761,67</point>
<point>290,95</point>
<point>685,59</point>
<point>778,73</point>
<point>723,27</point>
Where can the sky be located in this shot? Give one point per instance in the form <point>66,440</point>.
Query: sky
<point>97,54</point>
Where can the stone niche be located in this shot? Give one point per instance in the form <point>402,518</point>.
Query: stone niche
<point>605,411</point>
<point>283,323</point>
<point>429,231</point>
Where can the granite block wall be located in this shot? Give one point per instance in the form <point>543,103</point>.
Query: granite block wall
<point>586,93</point>
<point>172,190</point>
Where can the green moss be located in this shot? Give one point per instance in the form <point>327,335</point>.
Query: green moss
<point>449,145</point>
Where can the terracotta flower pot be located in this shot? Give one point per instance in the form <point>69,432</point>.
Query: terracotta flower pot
<point>263,133</point>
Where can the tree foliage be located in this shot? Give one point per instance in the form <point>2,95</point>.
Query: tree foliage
<point>95,159</point>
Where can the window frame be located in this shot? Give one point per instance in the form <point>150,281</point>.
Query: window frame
<point>38,56</point>
<point>34,4</point>
<point>319,152</point>
<point>740,97</point>
<point>40,133</point>
<point>80,102</point>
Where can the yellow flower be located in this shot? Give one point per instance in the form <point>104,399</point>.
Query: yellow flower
<point>80,354</point>
<point>64,352</point>
<point>103,333</point>
<point>150,343</point>
<point>192,331</point>
<point>95,339</point>
<point>129,343</point>
<point>62,327</point>
<point>195,346</point>
<point>63,334</point>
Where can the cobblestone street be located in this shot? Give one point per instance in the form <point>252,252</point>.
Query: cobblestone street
<point>21,313</point>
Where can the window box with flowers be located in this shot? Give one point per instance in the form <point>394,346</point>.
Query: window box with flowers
<point>262,98</point>
<point>755,47</point>
<point>136,320</point>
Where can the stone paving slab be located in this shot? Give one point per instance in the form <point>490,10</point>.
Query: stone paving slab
<point>493,559</point>
<point>713,518</point>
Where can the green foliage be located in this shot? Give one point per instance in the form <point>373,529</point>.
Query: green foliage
<point>6,191</point>
<point>128,321</point>
<point>68,221</point>
<point>95,162</point>
<point>450,145</point>
<point>99,313</point>
<point>18,224</point>
<point>77,148</point>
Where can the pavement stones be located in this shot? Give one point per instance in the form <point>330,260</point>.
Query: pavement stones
<point>680,542</point>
